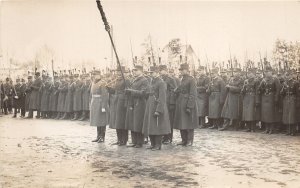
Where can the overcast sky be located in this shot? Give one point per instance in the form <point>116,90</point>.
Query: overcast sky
<point>74,29</point>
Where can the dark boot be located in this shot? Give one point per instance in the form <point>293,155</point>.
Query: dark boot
<point>152,142</point>
<point>293,130</point>
<point>83,116</point>
<point>157,142</point>
<point>30,114</point>
<point>75,116</point>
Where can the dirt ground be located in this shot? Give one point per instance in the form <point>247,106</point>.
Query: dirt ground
<point>59,153</point>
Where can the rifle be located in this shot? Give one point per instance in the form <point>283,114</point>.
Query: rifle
<point>231,66</point>
<point>131,52</point>
<point>107,28</point>
<point>261,64</point>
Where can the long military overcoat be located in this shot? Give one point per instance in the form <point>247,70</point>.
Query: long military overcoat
<point>217,95</point>
<point>34,102</point>
<point>156,102</point>
<point>186,99</point>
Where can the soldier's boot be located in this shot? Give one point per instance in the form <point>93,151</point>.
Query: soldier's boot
<point>183,134</point>
<point>64,116</point>
<point>75,116</point>
<point>253,126</point>
<point>98,135</point>
<point>118,131</point>
<point>293,130</point>
<point>288,130</point>
<point>248,127</point>
<point>58,115</point>
<point>30,114</point>
<point>267,128</point>
<point>38,114</point>
<point>202,122</point>
<point>83,116</point>
<point>272,127</point>
<point>152,142</point>
<point>214,124</point>
<point>157,145</point>
<point>190,137</point>
<point>15,113</point>
<point>225,125</point>
<point>102,134</point>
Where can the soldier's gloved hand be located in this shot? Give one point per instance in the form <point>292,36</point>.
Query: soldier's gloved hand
<point>188,111</point>
<point>156,114</point>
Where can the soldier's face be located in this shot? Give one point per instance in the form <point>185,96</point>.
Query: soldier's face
<point>184,72</point>
<point>268,73</point>
<point>163,72</point>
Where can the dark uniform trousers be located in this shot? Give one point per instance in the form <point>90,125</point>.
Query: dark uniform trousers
<point>101,132</point>
<point>169,137</point>
<point>122,135</point>
<point>156,140</point>
<point>137,138</point>
<point>187,136</point>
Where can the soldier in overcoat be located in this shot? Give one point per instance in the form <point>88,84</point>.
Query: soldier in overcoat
<point>289,92</point>
<point>117,88</point>
<point>86,88</point>
<point>28,91</point>
<point>16,97</point>
<point>7,88</point>
<point>251,100</point>
<point>62,93</point>
<point>217,95</point>
<point>136,106</point>
<point>68,105</point>
<point>77,101</point>
<point>170,99</point>
<point>99,108</point>
<point>269,89</point>
<point>202,96</point>
<point>53,99</point>
<point>34,102</point>
<point>156,119</point>
<point>232,108</point>
<point>45,95</point>
<point>186,113</point>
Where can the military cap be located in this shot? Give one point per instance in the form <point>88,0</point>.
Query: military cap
<point>268,68</point>
<point>76,75</point>
<point>29,77</point>
<point>163,67</point>
<point>253,70</point>
<point>138,67</point>
<point>184,66</point>
<point>18,80</point>
<point>7,79</point>
<point>237,69</point>
<point>37,73</point>
<point>96,72</point>
<point>215,70</point>
<point>201,68</point>
<point>22,80</point>
<point>153,69</point>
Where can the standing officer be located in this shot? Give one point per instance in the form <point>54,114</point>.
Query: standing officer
<point>86,88</point>
<point>156,118</point>
<point>117,88</point>
<point>289,93</point>
<point>16,97</point>
<point>68,106</point>
<point>251,100</point>
<point>136,106</point>
<point>34,96</point>
<point>8,93</point>
<point>269,89</point>
<point>28,91</point>
<point>202,96</point>
<point>186,113</point>
<point>217,95</point>
<point>77,102</point>
<point>170,99</point>
<point>231,109</point>
<point>99,106</point>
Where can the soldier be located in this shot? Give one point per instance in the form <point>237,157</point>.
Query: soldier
<point>68,105</point>
<point>156,119</point>
<point>16,97</point>
<point>171,99</point>
<point>86,88</point>
<point>62,93</point>
<point>232,109</point>
<point>269,89</point>
<point>28,91</point>
<point>77,102</point>
<point>8,93</point>
<point>186,113</point>
<point>217,94</point>
<point>45,94</point>
<point>99,106</point>
<point>34,101</point>
<point>136,106</point>
<point>289,92</point>
<point>53,98</point>
<point>251,100</point>
<point>117,88</point>
<point>202,96</point>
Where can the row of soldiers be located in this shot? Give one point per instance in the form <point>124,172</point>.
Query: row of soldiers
<point>64,97</point>
<point>152,103</point>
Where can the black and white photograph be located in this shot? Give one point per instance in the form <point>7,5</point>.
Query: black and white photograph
<point>149,94</point>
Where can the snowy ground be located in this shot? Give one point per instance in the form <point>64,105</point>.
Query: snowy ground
<point>59,153</point>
